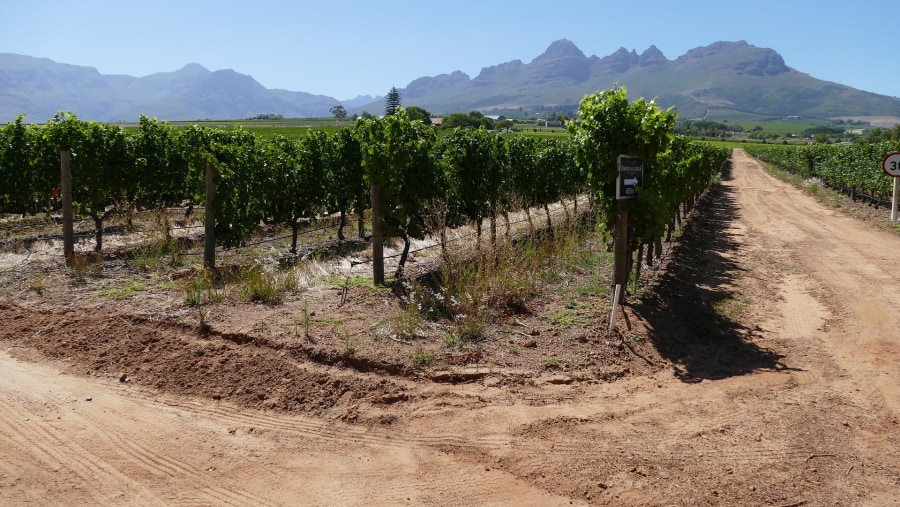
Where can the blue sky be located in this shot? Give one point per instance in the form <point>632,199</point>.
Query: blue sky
<point>344,48</point>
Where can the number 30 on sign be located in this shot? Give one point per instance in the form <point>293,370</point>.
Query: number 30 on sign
<point>891,164</point>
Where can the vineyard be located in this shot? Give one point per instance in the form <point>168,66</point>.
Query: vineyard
<point>491,220</point>
<point>854,169</point>
<point>469,175</point>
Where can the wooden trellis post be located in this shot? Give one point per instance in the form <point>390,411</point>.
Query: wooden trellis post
<point>65,186</point>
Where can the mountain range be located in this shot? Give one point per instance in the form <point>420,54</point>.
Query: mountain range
<point>734,77</point>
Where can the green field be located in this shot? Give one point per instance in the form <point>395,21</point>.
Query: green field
<point>293,128</point>
<point>782,125</point>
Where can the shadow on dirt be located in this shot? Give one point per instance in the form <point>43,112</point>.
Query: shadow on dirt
<point>691,309</point>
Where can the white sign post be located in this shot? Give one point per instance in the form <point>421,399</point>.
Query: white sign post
<point>895,203</point>
<point>891,166</point>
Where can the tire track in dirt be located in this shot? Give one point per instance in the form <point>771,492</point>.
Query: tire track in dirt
<point>125,454</point>
<point>36,438</point>
<point>103,459</point>
<point>158,463</point>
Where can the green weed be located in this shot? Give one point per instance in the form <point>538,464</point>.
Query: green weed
<point>813,186</point>
<point>551,362</point>
<point>567,317</point>
<point>407,322</point>
<point>151,256</point>
<point>349,281</point>
<point>38,284</point>
<point>422,357</point>
<point>202,287</point>
<point>349,344</point>
<point>264,286</point>
<point>634,337</point>
<point>126,292</point>
<point>307,320</point>
<point>78,267</point>
<point>469,328</point>
<point>452,341</point>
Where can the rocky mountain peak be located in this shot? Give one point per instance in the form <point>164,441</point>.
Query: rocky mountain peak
<point>742,57</point>
<point>562,48</point>
<point>193,68</point>
<point>652,56</point>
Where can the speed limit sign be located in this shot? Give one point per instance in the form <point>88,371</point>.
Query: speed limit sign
<point>891,164</point>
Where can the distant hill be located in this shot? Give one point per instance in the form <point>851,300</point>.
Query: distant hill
<point>722,77</point>
<point>734,76</point>
<point>40,87</point>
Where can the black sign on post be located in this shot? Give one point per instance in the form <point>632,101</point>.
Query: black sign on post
<point>631,176</point>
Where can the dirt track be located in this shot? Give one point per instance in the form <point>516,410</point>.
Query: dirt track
<point>803,408</point>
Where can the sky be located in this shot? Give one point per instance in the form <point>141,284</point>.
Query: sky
<point>346,48</point>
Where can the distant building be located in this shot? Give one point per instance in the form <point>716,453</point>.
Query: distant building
<point>858,132</point>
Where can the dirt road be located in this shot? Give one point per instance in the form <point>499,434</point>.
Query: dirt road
<point>797,402</point>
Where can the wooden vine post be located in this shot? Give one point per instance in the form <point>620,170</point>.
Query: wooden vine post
<point>620,249</point>
<point>209,235</point>
<point>377,237</point>
<point>65,163</point>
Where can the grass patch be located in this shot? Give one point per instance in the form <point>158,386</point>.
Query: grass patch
<point>38,284</point>
<point>336,323</point>
<point>634,337</point>
<point>422,357</point>
<point>349,282</point>
<point>202,289</point>
<point>469,328</point>
<point>592,287</point>
<point>407,322</point>
<point>168,285</point>
<point>151,256</point>
<point>568,317</point>
<point>125,292</point>
<point>474,288</point>
<point>813,187</point>
<point>349,344</point>
<point>82,266</point>
<point>265,286</point>
<point>501,279</point>
<point>731,308</point>
<point>451,341</point>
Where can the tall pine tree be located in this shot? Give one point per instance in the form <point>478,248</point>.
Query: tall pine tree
<point>391,102</point>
